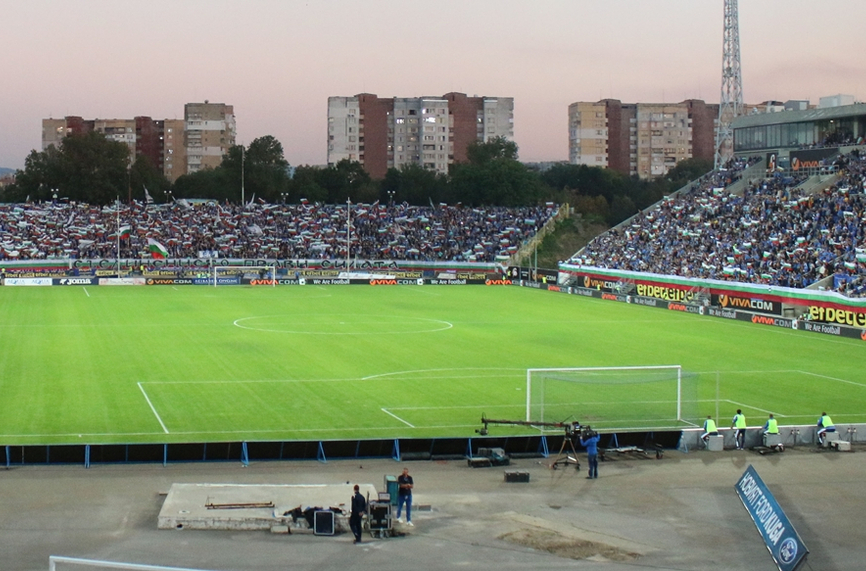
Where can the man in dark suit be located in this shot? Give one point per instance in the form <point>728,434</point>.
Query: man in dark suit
<point>359,508</point>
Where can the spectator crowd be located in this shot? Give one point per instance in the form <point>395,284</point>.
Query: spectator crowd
<point>61,229</point>
<point>774,233</point>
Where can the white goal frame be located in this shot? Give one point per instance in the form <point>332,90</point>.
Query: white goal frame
<point>53,560</point>
<point>272,269</point>
<point>678,368</point>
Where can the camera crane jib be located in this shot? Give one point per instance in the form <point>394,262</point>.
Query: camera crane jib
<point>572,431</point>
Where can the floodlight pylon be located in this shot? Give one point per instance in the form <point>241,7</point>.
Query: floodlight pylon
<point>731,101</point>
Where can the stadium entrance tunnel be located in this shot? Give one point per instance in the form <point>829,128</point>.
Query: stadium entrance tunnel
<point>261,451</point>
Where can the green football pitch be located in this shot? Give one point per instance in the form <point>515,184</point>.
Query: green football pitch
<point>104,365</point>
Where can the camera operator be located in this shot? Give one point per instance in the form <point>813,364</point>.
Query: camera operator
<point>589,439</point>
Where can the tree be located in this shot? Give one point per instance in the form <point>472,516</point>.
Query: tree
<point>144,174</point>
<point>39,179</point>
<point>479,153</point>
<point>94,168</point>
<point>266,171</point>
<point>230,176</point>
<point>494,176</point>
<point>594,208</point>
<point>621,208</point>
<point>86,167</point>
<point>210,184</point>
<point>414,184</point>
<point>260,170</point>
<point>305,185</point>
<point>688,170</point>
<point>343,181</point>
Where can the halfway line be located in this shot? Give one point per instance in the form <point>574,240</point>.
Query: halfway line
<point>395,416</point>
<point>150,404</point>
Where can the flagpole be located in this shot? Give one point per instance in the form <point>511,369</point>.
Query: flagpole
<point>348,230</point>
<point>243,202</point>
<point>117,205</point>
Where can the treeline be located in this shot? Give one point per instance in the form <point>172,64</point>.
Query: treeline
<point>93,169</point>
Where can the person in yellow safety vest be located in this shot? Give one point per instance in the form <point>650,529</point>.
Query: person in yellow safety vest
<point>739,422</point>
<point>825,425</point>
<point>771,426</point>
<point>709,429</point>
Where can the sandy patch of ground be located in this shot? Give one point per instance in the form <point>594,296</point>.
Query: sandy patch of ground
<point>564,546</point>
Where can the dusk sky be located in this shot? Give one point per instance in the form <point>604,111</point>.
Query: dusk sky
<point>278,62</point>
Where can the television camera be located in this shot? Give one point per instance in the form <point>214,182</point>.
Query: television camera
<point>572,431</point>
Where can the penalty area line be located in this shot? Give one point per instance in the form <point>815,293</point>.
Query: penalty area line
<point>831,378</point>
<point>397,417</point>
<point>150,404</point>
<point>742,405</point>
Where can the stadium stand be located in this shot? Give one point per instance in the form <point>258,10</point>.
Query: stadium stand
<point>780,231</point>
<point>299,231</point>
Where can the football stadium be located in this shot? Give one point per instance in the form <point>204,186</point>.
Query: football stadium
<point>367,367</point>
<point>125,365</point>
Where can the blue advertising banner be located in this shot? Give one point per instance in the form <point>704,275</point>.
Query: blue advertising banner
<point>220,281</point>
<point>786,547</point>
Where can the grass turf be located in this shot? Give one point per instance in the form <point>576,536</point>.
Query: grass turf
<point>197,364</point>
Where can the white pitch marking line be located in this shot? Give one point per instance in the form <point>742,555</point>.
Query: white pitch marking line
<point>150,404</point>
<point>397,417</point>
<point>415,371</point>
<point>87,293</point>
<point>831,378</point>
<point>741,405</point>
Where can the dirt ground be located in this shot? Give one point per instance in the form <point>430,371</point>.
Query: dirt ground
<point>680,513</point>
<point>563,546</point>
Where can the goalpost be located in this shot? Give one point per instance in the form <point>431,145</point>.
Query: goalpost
<point>253,271</point>
<point>57,562</point>
<point>656,396</point>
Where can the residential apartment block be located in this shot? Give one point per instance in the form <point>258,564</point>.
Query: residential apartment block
<point>210,131</point>
<point>643,139</point>
<point>432,132</point>
<point>175,146</point>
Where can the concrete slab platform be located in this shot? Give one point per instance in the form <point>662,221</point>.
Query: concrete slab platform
<point>252,506</point>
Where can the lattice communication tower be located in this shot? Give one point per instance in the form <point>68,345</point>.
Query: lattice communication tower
<point>731,101</point>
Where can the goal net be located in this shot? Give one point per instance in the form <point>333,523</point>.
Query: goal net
<point>264,273</point>
<point>613,397</point>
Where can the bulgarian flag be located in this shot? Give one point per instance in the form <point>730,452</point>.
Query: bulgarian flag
<point>156,249</point>
<point>125,232</point>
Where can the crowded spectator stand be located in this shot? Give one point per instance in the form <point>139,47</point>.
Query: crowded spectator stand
<point>774,233</point>
<point>61,230</point>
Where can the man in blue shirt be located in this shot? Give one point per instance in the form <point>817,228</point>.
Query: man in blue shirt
<point>591,444</point>
<point>405,484</point>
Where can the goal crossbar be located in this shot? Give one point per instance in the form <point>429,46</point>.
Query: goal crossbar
<point>53,560</point>
<point>551,373</point>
